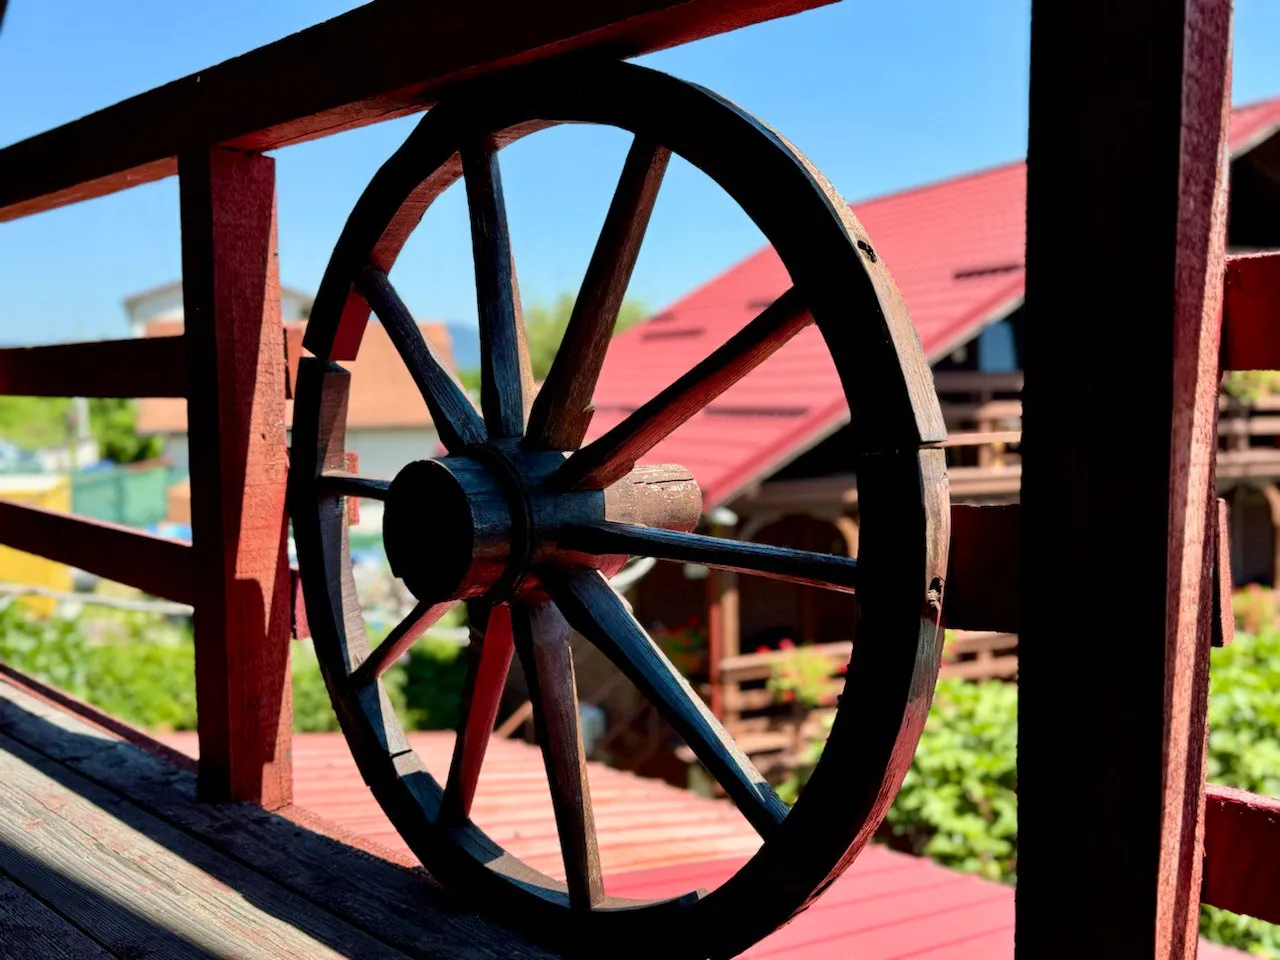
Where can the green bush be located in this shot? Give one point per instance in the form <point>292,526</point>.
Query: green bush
<point>134,666</point>
<point>141,668</point>
<point>958,803</point>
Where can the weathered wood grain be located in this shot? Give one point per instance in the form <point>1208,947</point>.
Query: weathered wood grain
<point>594,610</point>
<point>455,419</point>
<point>143,887</point>
<point>239,469</point>
<point>158,565</point>
<point>353,485</point>
<point>611,457</point>
<point>317,860</point>
<point>489,658</point>
<point>1242,852</point>
<point>561,412</point>
<point>30,930</point>
<point>506,386</point>
<point>402,636</point>
<point>383,60</point>
<point>142,367</point>
<point>542,639</point>
<point>719,553</point>
<point>1134,314</point>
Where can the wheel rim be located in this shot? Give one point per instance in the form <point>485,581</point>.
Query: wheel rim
<point>552,526</point>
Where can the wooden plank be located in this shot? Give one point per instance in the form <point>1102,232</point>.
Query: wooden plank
<point>1251,313</point>
<point>1133,313</point>
<point>143,887</point>
<point>143,367</point>
<point>90,714</point>
<point>239,466</point>
<point>983,574</point>
<point>317,860</point>
<point>385,59</point>
<point>1242,852</point>
<point>157,565</point>
<point>29,930</point>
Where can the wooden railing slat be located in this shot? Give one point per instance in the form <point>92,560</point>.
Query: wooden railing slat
<point>1242,853</point>
<point>142,367</point>
<point>1251,313</point>
<point>239,469</point>
<point>382,60</point>
<point>157,565</point>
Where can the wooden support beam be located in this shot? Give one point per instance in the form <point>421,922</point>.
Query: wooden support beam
<point>157,565</point>
<point>1251,313</point>
<point>143,367</point>
<point>385,59</point>
<point>1123,319</point>
<point>236,370</point>
<point>982,586</point>
<point>1242,853</point>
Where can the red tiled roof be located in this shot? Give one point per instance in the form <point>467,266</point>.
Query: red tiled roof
<point>657,841</point>
<point>955,249</point>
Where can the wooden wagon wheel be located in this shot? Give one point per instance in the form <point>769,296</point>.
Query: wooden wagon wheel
<point>524,526</point>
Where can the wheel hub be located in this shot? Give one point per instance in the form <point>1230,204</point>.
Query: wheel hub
<point>479,523</point>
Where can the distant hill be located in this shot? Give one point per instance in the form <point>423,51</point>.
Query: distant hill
<point>466,346</point>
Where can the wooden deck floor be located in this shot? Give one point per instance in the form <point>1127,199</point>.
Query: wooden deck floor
<point>104,852</point>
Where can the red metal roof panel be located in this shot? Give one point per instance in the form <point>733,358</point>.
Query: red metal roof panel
<point>955,249</point>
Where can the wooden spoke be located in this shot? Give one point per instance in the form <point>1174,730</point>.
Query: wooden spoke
<point>353,485</point>
<point>506,379</point>
<point>454,416</point>
<point>595,611</point>
<point>542,640</point>
<point>611,457</point>
<point>561,412</point>
<point>488,662</point>
<point>777,563</point>
<point>402,636</point>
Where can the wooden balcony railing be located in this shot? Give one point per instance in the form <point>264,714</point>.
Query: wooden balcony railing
<point>383,60</point>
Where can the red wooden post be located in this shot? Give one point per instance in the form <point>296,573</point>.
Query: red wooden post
<point>1126,228</point>
<point>236,376</point>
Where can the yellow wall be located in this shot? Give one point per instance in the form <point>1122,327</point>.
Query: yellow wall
<point>51,493</point>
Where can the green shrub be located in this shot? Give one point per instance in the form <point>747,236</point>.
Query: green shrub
<point>958,803</point>
<point>135,666</point>
<point>141,668</point>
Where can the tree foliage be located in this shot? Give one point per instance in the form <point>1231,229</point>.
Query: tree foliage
<point>545,325</point>
<point>35,423</point>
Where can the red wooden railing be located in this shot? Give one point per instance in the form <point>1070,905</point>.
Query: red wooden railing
<point>1155,86</point>
<point>383,60</point>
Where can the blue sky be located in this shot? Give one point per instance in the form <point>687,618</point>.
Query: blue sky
<point>881,97</point>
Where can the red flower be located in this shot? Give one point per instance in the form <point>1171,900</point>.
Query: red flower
<point>788,696</point>
<point>762,649</point>
<point>786,643</point>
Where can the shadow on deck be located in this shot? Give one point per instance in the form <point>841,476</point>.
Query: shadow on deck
<point>104,852</point>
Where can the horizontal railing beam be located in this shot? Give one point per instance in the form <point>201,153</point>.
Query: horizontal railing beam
<point>386,59</point>
<point>157,565</point>
<point>142,367</point>
<point>1251,313</point>
<point>1242,853</point>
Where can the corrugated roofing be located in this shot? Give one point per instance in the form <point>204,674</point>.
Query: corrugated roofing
<point>955,249</point>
